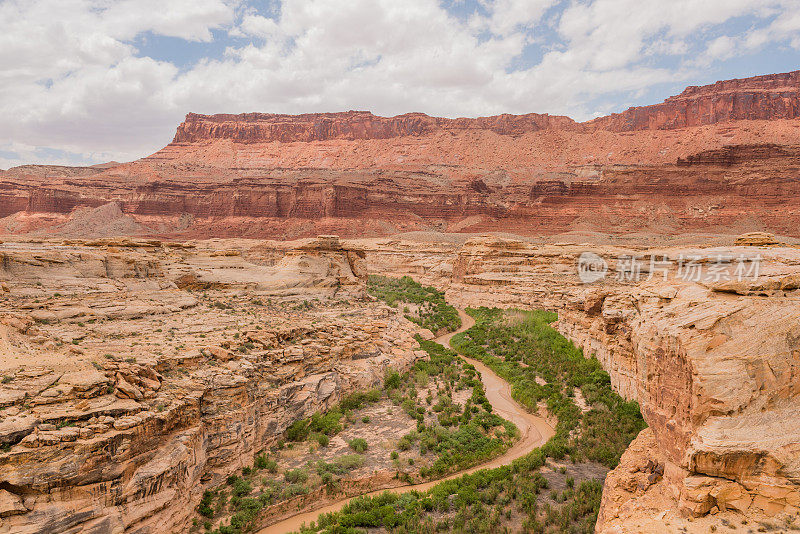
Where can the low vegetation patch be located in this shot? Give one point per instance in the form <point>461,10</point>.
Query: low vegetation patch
<point>324,425</point>
<point>458,434</point>
<point>422,305</point>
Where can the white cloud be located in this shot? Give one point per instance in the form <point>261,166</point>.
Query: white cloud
<point>507,16</point>
<point>72,78</point>
<point>722,47</point>
<point>192,20</point>
<point>785,26</point>
<point>609,34</point>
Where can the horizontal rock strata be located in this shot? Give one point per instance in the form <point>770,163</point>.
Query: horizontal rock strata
<point>124,396</point>
<point>718,157</point>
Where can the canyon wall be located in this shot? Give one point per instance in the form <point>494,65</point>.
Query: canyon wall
<point>718,158</point>
<point>769,97</point>
<point>350,125</point>
<point>138,373</point>
<point>234,353</point>
<point>704,338</point>
<point>714,365</point>
<point>727,191</point>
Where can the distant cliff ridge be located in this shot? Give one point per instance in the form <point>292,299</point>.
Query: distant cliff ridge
<point>771,97</point>
<point>718,157</point>
<point>350,125</point>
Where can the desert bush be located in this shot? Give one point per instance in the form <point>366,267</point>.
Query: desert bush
<point>296,476</point>
<point>359,445</point>
<point>434,312</point>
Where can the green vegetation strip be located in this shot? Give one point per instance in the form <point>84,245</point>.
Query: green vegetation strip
<point>520,347</point>
<point>450,436</point>
<point>422,305</point>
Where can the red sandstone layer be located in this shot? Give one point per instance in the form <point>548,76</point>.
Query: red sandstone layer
<point>699,161</point>
<point>770,97</point>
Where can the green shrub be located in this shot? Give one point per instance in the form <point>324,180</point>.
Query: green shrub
<point>263,462</point>
<point>327,423</point>
<point>296,476</point>
<point>242,487</point>
<point>391,379</point>
<point>298,431</point>
<point>204,508</point>
<point>293,490</point>
<point>350,461</point>
<point>359,445</point>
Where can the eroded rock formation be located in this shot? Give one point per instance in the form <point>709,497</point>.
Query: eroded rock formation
<point>704,338</point>
<point>761,97</point>
<point>769,97</point>
<point>137,373</point>
<point>350,125</point>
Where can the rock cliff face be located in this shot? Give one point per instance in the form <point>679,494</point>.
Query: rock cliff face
<point>233,355</point>
<point>770,97</point>
<point>711,356</point>
<point>105,429</point>
<point>717,157</point>
<point>350,125</point>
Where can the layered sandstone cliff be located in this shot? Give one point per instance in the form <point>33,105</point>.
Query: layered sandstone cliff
<point>350,125</point>
<point>769,97</point>
<point>705,339</point>
<point>138,373</point>
<point>719,158</point>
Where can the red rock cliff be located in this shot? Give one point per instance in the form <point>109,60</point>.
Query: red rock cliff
<point>770,97</point>
<point>356,173</point>
<point>350,125</point>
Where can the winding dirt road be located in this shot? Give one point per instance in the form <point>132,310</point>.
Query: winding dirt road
<point>534,432</point>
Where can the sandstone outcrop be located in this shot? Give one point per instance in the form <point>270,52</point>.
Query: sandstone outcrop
<point>350,125</point>
<point>756,239</point>
<point>769,97</point>
<point>704,338</point>
<point>123,397</point>
<point>761,97</point>
<point>230,360</point>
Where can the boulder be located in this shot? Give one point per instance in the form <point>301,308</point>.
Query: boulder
<point>14,428</point>
<point>126,389</point>
<point>756,239</point>
<point>11,504</point>
<point>220,354</point>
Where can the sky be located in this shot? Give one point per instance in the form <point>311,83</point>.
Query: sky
<point>90,81</point>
